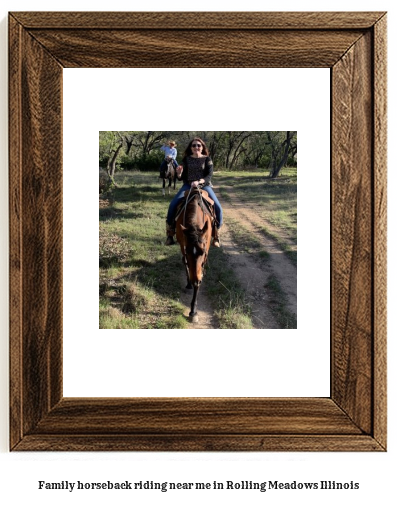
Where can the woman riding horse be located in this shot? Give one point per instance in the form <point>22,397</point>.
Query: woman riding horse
<point>196,171</point>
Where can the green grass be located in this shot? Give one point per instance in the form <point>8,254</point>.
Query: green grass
<point>247,241</point>
<point>278,303</point>
<point>289,250</point>
<point>226,293</point>
<point>140,277</point>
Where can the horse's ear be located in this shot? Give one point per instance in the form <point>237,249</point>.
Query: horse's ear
<point>183,229</point>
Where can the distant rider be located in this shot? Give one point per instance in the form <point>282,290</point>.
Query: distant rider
<point>169,151</point>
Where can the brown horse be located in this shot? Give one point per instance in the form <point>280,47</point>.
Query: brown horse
<point>193,233</point>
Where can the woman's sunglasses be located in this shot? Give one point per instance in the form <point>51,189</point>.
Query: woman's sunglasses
<point>196,145</point>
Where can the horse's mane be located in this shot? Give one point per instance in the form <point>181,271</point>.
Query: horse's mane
<point>193,229</point>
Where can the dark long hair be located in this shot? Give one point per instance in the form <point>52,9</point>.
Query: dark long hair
<point>189,152</point>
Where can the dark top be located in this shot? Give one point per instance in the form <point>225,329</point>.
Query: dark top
<point>195,169</point>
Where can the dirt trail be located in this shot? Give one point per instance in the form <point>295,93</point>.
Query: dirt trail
<point>207,319</point>
<point>252,274</point>
<point>278,263</point>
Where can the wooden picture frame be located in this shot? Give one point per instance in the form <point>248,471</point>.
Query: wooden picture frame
<point>353,46</point>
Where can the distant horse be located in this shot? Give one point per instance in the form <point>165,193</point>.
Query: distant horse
<point>193,233</point>
<point>169,174</point>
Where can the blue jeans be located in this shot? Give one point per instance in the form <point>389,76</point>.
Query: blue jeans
<point>179,196</point>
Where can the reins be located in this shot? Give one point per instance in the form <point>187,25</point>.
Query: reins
<point>185,206</point>
<point>202,209</point>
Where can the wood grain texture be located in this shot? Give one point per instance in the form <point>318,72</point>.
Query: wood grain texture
<point>15,228</point>
<point>202,21</point>
<point>196,48</point>
<point>353,45</point>
<point>36,230</point>
<point>352,232</point>
<point>173,416</point>
<point>205,443</point>
<point>380,229</point>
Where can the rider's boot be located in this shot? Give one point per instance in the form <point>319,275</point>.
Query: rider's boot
<point>215,240</point>
<point>170,234</point>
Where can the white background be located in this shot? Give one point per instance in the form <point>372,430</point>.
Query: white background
<point>20,473</point>
<point>135,360</point>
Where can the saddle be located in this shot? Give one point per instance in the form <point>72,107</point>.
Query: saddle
<point>203,193</point>
<point>206,199</point>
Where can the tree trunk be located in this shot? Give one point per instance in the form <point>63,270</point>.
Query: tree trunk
<point>237,153</point>
<point>111,167</point>
<point>240,149</point>
<point>278,166</point>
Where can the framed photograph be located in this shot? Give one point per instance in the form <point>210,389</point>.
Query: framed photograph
<point>139,284</point>
<point>353,46</point>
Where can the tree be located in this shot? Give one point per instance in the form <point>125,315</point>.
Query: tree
<point>280,143</point>
<point>150,140</point>
<point>215,140</point>
<point>110,144</point>
<point>257,148</point>
<point>235,146</point>
<point>140,149</point>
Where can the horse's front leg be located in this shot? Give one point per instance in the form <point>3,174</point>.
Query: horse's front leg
<point>163,186</point>
<point>193,308</point>
<point>188,282</point>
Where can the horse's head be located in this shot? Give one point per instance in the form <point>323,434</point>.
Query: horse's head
<point>197,243</point>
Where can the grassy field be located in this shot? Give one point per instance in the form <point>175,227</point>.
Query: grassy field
<point>140,277</point>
